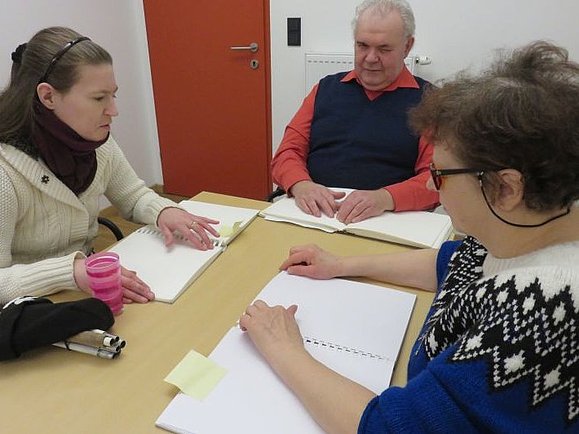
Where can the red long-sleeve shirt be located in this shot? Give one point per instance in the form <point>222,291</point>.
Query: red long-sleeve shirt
<point>289,163</point>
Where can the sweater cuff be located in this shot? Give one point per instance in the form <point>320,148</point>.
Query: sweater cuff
<point>155,207</point>
<point>163,209</point>
<point>289,176</point>
<point>50,275</point>
<point>293,180</point>
<point>397,194</point>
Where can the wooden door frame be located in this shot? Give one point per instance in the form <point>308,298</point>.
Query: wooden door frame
<point>268,122</point>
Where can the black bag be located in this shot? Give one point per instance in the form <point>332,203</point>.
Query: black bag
<point>31,322</point>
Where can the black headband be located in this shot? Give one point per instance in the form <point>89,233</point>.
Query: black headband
<point>61,53</point>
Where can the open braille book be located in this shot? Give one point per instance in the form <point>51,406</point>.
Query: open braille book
<point>413,228</point>
<point>354,328</point>
<point>169,271</point>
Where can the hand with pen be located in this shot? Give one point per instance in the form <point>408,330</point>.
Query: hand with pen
<point>192,227</point>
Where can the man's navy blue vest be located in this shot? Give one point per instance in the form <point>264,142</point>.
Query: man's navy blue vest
<point>362,144</point>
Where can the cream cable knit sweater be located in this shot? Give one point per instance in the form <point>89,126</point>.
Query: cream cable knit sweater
<point>44,226</point>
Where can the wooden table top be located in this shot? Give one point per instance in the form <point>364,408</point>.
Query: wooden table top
<point>50,390</point>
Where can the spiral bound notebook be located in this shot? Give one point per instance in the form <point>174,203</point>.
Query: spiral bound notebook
<point>169,271</point>
<point>354,328</point>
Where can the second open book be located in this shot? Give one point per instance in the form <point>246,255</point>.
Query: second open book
<point>169,271</point>
<point>354,328</point>
<point>413,228</point>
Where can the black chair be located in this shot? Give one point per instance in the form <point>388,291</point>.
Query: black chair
<point>112,227</point>
<point>277,192</point>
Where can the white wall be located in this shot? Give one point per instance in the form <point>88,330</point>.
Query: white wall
<point>457,34</point>
<point>119,27</point>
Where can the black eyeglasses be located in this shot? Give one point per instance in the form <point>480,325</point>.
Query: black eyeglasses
<point>438,174</point>
<point>59,54</point>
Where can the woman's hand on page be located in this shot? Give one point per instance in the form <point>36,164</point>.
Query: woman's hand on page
<point>273,330</point>
<point>134,289</point>
<point>315,199</point>
<point>192,227</point>
<point>363,204</point>
<point>312,261</point>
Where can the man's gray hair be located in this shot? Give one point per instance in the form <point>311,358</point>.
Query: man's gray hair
<point>383,8</point>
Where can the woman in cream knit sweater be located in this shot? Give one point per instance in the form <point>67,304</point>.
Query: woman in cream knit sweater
<point>57,158</point>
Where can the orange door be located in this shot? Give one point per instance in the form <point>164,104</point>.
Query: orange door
<point>212,101</point>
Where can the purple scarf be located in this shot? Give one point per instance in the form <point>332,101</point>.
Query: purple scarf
<point>70,157</point>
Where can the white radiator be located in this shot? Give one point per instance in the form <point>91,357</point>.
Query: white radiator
<point>318,65</point>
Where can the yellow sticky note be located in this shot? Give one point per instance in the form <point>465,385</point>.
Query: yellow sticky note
<point>196,375</point>
<point>227,231</point>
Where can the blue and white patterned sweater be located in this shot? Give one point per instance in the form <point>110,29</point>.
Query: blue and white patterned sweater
<point>499,351</point>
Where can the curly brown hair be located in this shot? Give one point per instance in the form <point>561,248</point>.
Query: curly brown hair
<point>522,113</point>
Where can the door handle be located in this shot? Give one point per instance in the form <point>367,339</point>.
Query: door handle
<point>253,47</point>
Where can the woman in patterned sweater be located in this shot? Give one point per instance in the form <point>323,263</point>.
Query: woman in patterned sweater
<point>499,351</point>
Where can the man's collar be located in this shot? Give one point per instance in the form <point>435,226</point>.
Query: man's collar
<point>404,79</point>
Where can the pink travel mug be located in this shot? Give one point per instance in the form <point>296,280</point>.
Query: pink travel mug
<point>104,278</point>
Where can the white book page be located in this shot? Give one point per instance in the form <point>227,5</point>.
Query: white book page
<point>286,210</point>
<point>351,314</point>
<point>373,372</point>
<point>249,399</point>
<point>418,228</point>
<point>227,216</point>
<point>168,271</point>
<point>252,399</point>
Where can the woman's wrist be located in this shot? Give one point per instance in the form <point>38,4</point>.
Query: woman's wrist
<point>79,273</point>
<point>346,266</point>
<point>286,358</point>
<point>161,212</point>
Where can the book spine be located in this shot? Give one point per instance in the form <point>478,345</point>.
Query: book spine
<point>217,242</point>
<point>336,347</point>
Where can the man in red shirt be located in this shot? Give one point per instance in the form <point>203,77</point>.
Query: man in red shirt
<point>313,156</point>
